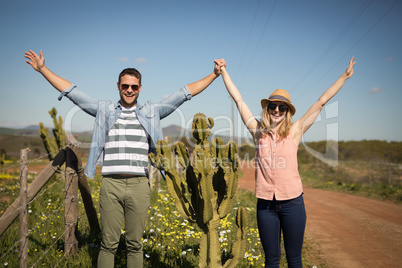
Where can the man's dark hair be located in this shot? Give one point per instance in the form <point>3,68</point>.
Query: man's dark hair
<point>130,71</point>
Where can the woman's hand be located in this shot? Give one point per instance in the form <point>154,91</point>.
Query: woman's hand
<point>219,64</point>
<point>349,70</point>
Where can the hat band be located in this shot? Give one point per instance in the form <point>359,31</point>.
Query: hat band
<point>279,97</point>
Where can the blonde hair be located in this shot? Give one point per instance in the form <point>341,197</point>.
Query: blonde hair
<point>284,127</point>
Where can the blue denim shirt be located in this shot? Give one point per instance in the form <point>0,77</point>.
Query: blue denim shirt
<point>107,112</point>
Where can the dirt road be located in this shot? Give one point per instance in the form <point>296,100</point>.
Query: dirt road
<point>349,231</point>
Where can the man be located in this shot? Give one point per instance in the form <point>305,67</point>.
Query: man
<point>123,135</point>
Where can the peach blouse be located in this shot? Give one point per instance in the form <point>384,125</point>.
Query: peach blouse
<point>276,172</point>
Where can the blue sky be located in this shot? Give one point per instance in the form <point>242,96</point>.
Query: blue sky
<point>301,46</point>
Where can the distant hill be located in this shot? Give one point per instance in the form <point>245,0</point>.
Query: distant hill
<point>32,127</point>
<point>13,140</point>
<point>7,131</point>
<point>175,131</point>
<point>172,130</point>
<point>28,131</point>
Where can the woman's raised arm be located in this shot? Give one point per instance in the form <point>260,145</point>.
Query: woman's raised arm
<point>248,118</point>
<point>305,122</point>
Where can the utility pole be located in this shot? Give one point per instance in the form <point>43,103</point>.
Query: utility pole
<point>233,119</point>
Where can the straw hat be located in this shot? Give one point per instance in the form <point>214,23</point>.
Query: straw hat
<point>279,95</point>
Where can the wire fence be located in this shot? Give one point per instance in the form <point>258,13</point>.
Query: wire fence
<point>46,221</point>
<point>34,227</point>
<point>369,173</point>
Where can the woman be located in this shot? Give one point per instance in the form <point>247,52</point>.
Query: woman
<point>278,186</point>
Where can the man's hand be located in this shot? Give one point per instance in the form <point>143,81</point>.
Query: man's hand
<point>218,66</point>
<point>38,63</point>
<point>34,60</point>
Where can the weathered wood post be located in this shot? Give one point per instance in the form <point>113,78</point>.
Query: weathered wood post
<point>389,174</point>
<point>23,207</point>
<point>12,212</point>
<point>158,180</point>
<point>151,175</point>
<point>71,202</point>
<point>85,191</point>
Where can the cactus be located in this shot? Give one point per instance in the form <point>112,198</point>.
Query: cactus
<point>205,192</point>
<point>58,130</point>
<point>53,144</point>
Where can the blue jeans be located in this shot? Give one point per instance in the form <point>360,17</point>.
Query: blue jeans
<point>288,216</point>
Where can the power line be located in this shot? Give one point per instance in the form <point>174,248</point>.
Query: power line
<point>260,39</point>
<point>241,64</point>
<point>365,34</point>
<point>354,45</point>
<point>248,38</point>
<point>347,27</point>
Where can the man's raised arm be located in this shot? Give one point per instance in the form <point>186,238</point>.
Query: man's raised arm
<point>199,86</point>
<point>38,63</point>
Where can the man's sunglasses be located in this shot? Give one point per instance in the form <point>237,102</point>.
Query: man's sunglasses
<point>282,108</point>
<point>133,87</point>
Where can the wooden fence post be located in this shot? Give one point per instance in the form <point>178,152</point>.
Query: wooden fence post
<point>12,212</point>
<point>23,208</point>
<point>151,175</point>
<point>85,191</point>
<point>389,174</point>
<point>158,180</point>
<point>71,204</point>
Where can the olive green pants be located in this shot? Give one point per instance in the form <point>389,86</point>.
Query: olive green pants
<point>127,198</point>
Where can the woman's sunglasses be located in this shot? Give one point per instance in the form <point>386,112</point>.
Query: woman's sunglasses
<point>282,108</point>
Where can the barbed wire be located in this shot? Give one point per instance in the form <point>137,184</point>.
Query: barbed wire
<point>8,251</point>
<point>45,217</point>
<point>38,195</point>
<point>37,159</point>
<point>31,230</point>
<point>66,229</point>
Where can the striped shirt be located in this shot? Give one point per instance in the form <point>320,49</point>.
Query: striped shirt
<point>126,148</point>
